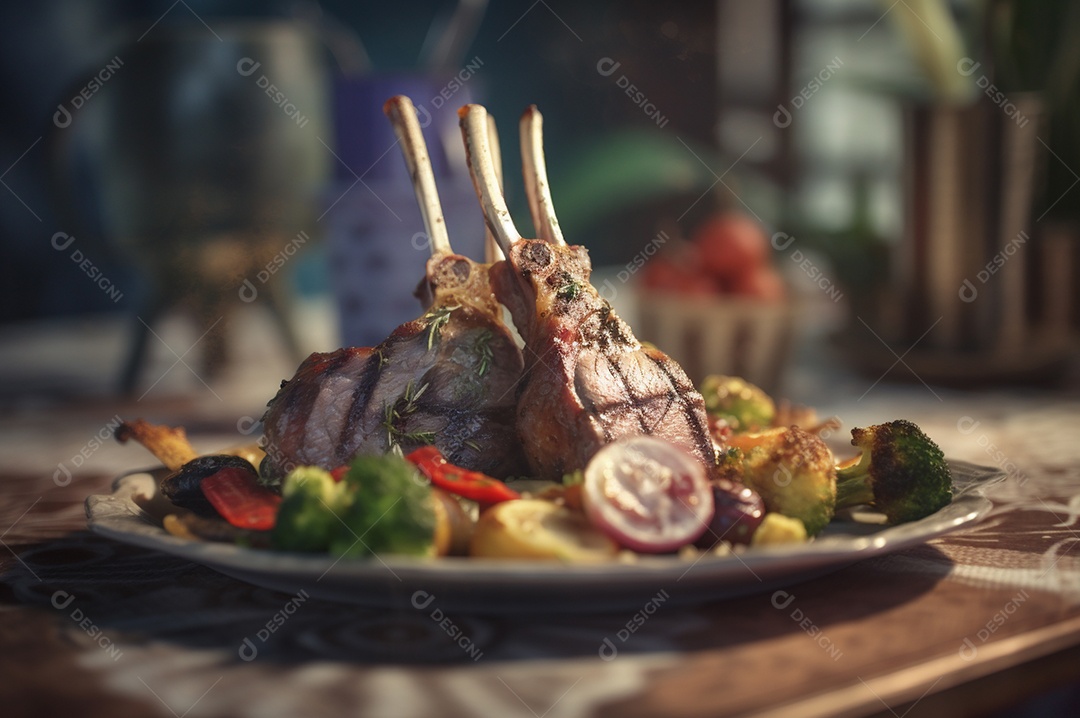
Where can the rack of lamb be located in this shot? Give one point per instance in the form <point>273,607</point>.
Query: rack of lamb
<point>587,380</point>
<point>448,378</point>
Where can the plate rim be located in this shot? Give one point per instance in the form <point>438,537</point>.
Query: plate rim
<point>117,516</point>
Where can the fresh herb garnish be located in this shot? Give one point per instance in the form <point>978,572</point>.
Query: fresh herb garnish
<point>395,414</point>
<point>569,289</point>
<point>435,320</point>
<point>482,350</point>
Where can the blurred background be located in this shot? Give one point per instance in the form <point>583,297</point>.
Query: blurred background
<point>762,186</point>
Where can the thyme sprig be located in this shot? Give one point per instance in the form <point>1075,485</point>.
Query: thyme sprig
<point>436,319</point>
<point>569,289</point>
<point>482,350</point>
<point>395,414</point>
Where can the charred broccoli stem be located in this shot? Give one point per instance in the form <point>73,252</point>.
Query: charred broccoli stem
<point>901,473</point>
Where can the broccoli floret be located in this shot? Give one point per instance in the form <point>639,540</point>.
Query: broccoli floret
<point>901,473</point>
<point>742,405</point>
<point>392,510</point>
<point>381,505</point>
<point>308,517</point>
<point>795,474</point>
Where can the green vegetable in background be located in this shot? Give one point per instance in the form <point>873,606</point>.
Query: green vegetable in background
<point>901,473</point>
<point>742,405</point>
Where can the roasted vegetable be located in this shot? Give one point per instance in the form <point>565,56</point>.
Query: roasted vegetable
<point>192,527</point>
<point>729,465</point>
<point>453,526</point>
<point>308,517</point>
<point>184,486</point>
<point>738,512</point>
<point>744,406</point>
<point>538,529</point>
<point>381,505</point>
<point>794,472</point>
<point>902,473</point>
<point>391,510</point>
<point>456,480</point>
<point>779,529</point>
<point>647,494</point>
<point>239,499</point>
<point>168,444</point>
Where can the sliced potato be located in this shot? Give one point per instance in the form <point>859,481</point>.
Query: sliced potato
<point>537,529</point>
<point>453,527</point>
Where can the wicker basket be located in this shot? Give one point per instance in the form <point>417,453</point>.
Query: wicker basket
<point>720,335</point>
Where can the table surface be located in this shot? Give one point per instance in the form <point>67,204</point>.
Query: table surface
<point>956,626</point>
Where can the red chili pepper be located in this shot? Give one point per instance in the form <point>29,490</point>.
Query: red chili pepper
<point>240,500</point>
<point>339,473</point>
<point>456,480</point>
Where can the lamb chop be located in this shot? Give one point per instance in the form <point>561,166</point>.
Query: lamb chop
<point>446,378</point>
<point>588,381</point>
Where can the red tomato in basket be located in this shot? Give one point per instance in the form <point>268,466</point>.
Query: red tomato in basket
<point>763,283</point>
<point>731,244</point>
<point>666,275</point>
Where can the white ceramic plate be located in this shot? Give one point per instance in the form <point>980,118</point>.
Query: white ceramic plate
<point>131,513</point>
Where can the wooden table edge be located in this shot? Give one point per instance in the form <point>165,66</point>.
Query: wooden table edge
<point>931,677</point>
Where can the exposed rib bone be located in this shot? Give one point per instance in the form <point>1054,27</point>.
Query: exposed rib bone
<point>402,116</point>
<point>492,251</point>
<point>536,182</point>
<point>474,131</point>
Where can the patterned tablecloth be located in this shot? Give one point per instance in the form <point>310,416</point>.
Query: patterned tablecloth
<point>93,627</point>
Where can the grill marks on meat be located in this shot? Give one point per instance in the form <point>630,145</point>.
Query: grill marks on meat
<point>301,406</point>
<point>588,381</point>
<point>448,378</point>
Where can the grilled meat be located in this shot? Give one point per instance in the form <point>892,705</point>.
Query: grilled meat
<point>588,381</point>
<point>447,378</point>
<point>304,420</point>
